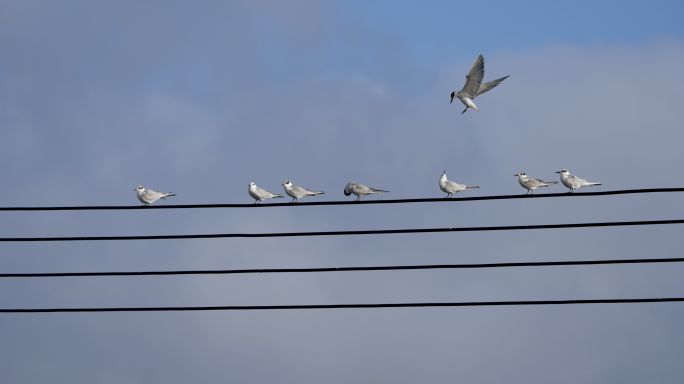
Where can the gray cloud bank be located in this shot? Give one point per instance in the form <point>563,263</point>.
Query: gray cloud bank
<point>93,106</point>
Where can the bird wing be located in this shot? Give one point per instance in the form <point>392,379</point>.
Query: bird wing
<point>575,181</point>
<point>484,87</point>
<point>152,195</point>
<point>474,78</point>
<point>532,182</point>
<point>303,191</point>
<point>297,190</point>
<point>262,193</point>
<point>453,187</point>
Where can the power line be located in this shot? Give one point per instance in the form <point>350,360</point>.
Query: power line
<point>363,202</point>
<point>346,306</point>
<point>341,233</point>
<point>345,269</point>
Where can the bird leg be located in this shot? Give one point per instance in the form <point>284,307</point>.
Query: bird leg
<point>464,110</point>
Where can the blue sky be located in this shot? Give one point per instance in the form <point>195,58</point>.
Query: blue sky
<point>203,98</point>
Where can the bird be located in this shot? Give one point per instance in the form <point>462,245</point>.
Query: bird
<point>531,184</point>
<point>474,86</point>
<point>259,194</point>
<point>148,196</point>
<point>296,192</point>
<point>449,187</point>
<point>360,190</point>
<point>573,182</point>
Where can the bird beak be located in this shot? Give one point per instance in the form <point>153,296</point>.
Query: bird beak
<point>517,175</point>
<point>452,100</point>
<point>135,189</point>
<point>559,172</point>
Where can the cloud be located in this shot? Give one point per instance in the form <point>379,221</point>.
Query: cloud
<point>168,121</point>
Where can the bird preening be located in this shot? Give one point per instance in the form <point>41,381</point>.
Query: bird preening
<point>360,190</point>
<point>474,86</point>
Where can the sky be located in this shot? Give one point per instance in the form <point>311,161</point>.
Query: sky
<point>203,98</point>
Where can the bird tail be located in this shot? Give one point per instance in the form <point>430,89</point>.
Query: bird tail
<point>319,193</point>
<point>168,195</point>
<point>547,183</point>
<point>378,191</point>
<point>276,195</point>
<point>469,188</point>
<point>591,184</point>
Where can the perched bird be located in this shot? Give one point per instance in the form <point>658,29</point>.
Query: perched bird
<point>449,187</point>
<point>296,192</point>
<point>259,194</point>
<point>531,184</point>
<point>360,190</point>
<point>474,86</point>
<point>148,196</point>
<point>573,182</point>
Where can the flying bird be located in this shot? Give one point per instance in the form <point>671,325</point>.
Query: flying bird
<point>259,194</point>
<point>360,190</point>
<point>296,192</point>
<point>148,196</point>
<point>531,184</point>
<point>474,86</point>
<point>573,182</point>
<point>449,187</point>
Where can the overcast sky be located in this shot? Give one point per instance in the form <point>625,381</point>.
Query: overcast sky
<point>202,98</point>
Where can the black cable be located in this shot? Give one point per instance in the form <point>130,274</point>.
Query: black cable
<point>345,269</point>
<point>339,233</point>
<point>346,306</point>
<point>363,202</point>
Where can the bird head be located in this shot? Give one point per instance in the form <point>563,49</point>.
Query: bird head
<point>252,185</point>
<point>453,96</point>
<point>563,172</point>
<point>286,184</point>
<point>139,189</point>
<point>348,189</point>
<point>521,175</point>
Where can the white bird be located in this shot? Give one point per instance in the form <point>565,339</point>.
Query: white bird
<point>531,184</point>
<point>148,196</point>
<point>573,182</point>
<point>449,187</point>
<point>474,86</point>
<point>296,192</point>
<point>360,190</point>
<point>259,194</point>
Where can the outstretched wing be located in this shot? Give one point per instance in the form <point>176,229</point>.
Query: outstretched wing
<point>474,78</point>
<point>484,87</point>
